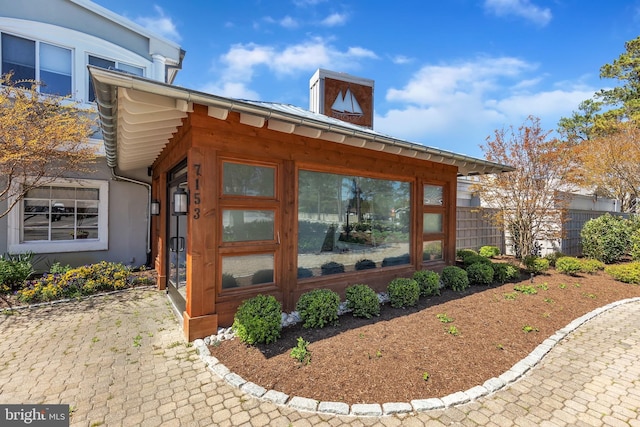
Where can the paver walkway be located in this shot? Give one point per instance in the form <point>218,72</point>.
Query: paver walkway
<point>121,360</point>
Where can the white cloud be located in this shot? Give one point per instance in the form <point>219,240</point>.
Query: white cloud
<point>160,24</point>
<point>401,59</point>
<point>521,8</point>
<point>335,19</point>
<point>457,106</point>
<point>231,90</point>
<point>288,22</point>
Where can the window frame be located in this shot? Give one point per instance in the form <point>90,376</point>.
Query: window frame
<point>37,61</point>
<point>15,223</point>
<point>90,94</point>
<point>442,210</point>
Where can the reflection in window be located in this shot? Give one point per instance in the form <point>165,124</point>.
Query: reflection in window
<point>60,213</point>
<point>432,223</point>
<point>433,195</point>
<point>432,250</point>
<point>248,180</point>
<point>108,64</point>
<point>247,270</point>
<point>348,223</point>
<point>244,225</point>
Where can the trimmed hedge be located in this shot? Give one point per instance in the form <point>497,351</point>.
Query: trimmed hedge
<point>363,301</point>
<point>455,278</point>
<point>428,281</point>
<point>318,308</point>
<point>480,273</point>
<point>403,292</point>
<point>258,320</point>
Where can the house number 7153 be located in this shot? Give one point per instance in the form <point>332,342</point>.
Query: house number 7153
<point>196,193</point>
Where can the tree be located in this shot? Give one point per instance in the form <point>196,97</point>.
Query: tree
<point>42,138</point>
<point>530,201</point>
<point>610,165</point>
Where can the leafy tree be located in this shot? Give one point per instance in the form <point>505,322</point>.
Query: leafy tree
<point>533,196</point>
<point>42,138</point>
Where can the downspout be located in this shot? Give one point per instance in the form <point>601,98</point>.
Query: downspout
<point>148,187</point>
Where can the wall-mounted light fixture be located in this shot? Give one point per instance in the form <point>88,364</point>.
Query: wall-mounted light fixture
<point>180,202</point>
<point>155,207</point>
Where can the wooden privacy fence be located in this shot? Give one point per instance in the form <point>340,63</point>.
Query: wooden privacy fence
<point>475,229</point>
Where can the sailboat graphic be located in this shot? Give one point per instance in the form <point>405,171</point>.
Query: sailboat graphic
<point>346,105</point>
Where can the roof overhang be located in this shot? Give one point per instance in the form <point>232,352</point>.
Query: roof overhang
<point>139,116</point>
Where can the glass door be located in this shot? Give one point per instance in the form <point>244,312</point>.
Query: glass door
<point>177,241</point>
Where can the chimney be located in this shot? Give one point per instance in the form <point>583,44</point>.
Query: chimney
<point>342,96</point>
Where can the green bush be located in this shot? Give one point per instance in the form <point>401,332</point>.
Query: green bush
<point>403,292</point>
<point>258,320</point>
<point>627,273</point>
<point>474,259</point>
<point>504,272</point>
<point>331,267</point>
<point>428,281</point>
<point>363,301</point>
<point>489,251</point>
<point>480,274</point>
<point>534,264</point>
<point>591,266</point>
<point>85,280</point>
<point>57,268</point>
<point>553,257</point>
<point>606,238</point>
<point>569,265</point>
<point>14,270</point>
<point>365,264</point>
<point>463,253</point>
<point>455,278</point>
<point>318,308</point>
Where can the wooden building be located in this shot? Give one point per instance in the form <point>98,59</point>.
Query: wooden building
<point>262,198</point>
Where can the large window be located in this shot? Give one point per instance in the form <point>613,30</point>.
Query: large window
<point>348,223</point>
<point>35,60</point>
<point>433,226</point>
<point>109,64</point>
<point>249,225</point>
<point>62,217</point>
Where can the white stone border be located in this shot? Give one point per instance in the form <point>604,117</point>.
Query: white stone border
<point>418,405</point>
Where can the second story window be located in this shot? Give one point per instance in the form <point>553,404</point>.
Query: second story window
<point>34,60</point>
<point>108,64</point>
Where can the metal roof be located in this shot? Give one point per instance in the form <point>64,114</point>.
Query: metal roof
<point>139,116</point>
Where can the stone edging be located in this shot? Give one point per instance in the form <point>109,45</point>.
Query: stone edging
<point>419,405</point>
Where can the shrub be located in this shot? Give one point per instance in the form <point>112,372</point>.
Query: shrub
<point>403,292</point>
<point>365,264</point>
<point>590,266</point>
<point>553,257</point>
<point>455,278</point>
<point>258,320</point>
<point>634,242</point>
<point>57,268</point>
<point>363,301</point>
<point>474,259</point>
<point>331,267</point>
<point>489,251</point>
<point>627,273</point>
<point>14,270</point>
<point>428,281</point>
<point>480,274</point>
<point>262,276</point>
<point>300,352</point>
<point>304,272</point>
<point>463,253</point>
<point>85,280</point>
<point>503,272</point>
<point>534,264</point>
<point>318,308</point>
<point>606,238</point>
<point>569,265</point>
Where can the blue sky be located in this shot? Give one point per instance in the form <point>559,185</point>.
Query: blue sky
<point>447,73</point>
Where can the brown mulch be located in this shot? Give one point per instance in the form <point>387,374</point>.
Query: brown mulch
<point>383,359</point>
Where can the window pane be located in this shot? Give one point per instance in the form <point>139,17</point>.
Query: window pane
<point>98,62</point>
<point>248,180</point>
<point>432,250</point>
<point>433,195</point>
<point>62,216</point>
<point>19,56</point>
<point>247,270</point>
<point>348,223</point>
<point>55,69</point>
<point>131,69</point>
<point>241,225</point>
<point>432,223</point>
